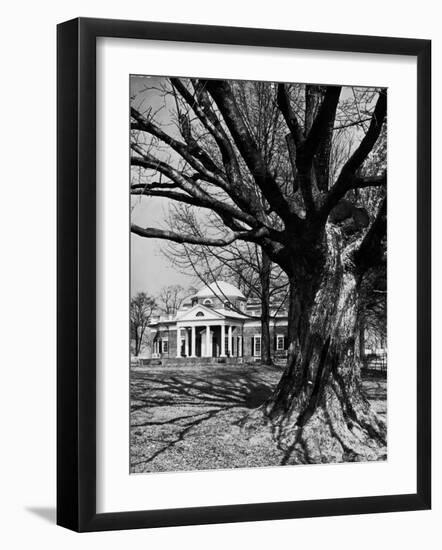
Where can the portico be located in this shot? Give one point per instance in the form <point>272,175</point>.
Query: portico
<point>221,338</point>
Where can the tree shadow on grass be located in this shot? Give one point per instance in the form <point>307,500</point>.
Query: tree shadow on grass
<point>207,396</point>
<point>243,391</point>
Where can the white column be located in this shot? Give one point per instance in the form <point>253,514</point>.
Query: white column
<point>186,343</point>
<point>207,350</point>
<point>230,341</point>
<point>223,341</point>
<point>178,342</point>
<point>240,346</point>
<point>193,342</point>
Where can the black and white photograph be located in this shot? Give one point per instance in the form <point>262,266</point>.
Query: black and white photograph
<point>258,274</point>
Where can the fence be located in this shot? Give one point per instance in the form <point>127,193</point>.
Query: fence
<point>375,361</point>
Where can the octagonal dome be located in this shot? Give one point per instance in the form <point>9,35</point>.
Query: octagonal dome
<point>221,290</point>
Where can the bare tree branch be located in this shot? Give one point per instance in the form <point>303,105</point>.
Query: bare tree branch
<point>196,158</point>
<point>325,116</point>
<point>221,92</point>
<point>289,114</point>
<point>152,232</point>
<point>345,179</point>
<point>201,106</point>
<point>191,187</point>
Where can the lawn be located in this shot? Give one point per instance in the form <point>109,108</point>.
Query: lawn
<point>188,418</point>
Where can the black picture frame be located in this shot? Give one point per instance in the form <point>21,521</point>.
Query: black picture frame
<point>76,274</point>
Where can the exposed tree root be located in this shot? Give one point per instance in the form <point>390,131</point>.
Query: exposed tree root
<point>333,432</point>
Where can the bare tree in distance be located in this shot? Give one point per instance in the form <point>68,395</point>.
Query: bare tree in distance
<point>310,221</point>
<point>141,308</point>
<point>245,264</point>
<point>170,298</point>
<point>373,314</point>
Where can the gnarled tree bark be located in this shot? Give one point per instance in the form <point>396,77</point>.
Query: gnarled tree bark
<point>319,412</point>
<point>264,275</point>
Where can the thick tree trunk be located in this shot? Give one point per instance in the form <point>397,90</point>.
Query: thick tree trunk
<point>361,329</point>
<point>266,354</point>
<point>318,411</point>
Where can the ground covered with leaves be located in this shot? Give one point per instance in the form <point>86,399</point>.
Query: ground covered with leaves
<point>190,418</point>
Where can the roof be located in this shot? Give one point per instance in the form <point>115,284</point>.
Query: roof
<point>230,313</point>
<point>221,290</point>
<point>192,314</point>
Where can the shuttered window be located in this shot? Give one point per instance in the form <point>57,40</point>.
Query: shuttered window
<point>257,346</point>
<point>280,344</point>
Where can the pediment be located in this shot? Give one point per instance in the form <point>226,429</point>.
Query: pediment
<point>200,313</point>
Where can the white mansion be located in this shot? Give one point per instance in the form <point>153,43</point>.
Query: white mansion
<point>216,322</point>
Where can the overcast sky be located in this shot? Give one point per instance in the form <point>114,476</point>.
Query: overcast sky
<point>150,270</point>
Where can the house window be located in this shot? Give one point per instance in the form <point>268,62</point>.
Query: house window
<point>257,346</point>
<point>207,302</point>
<point>280,342</point>
<point>165,346</point>
<point>239,346</point>
<point>199,314</point>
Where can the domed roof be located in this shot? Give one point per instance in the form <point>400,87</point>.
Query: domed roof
<point>221,290</point>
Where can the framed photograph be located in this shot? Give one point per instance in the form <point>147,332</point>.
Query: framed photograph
<point>243,319</point>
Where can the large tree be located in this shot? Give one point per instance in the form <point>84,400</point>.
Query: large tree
<point>308,220</point>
